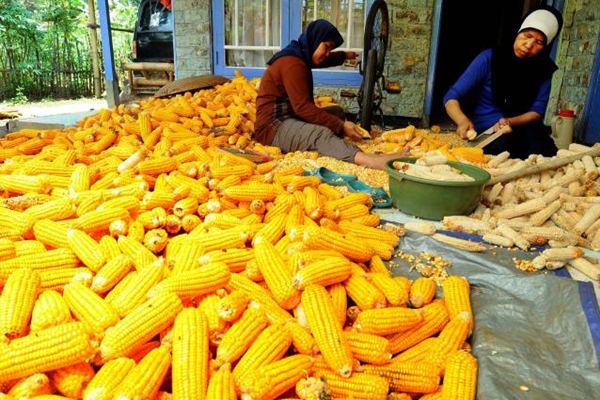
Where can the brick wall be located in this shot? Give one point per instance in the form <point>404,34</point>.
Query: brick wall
<point>575,56</point>
<point>192,37</point>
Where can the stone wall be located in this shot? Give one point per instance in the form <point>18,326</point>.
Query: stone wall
<point>575,56</point>
<point>192,37</point>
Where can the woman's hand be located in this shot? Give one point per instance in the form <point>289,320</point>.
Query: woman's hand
<point>503,123</point>
<point>351,131</point>
<point>351,55</point>
<point>463,127</point>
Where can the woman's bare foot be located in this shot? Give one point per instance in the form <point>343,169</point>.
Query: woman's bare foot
<point>376,161</point>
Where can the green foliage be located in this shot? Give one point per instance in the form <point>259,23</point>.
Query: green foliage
<point>20,97</point>
<point>45,46</point>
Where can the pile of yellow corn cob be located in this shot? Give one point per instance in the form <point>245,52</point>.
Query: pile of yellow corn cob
<point>183,270</point>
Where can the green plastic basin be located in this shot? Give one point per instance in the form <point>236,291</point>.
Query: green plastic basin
<point>429,199</point>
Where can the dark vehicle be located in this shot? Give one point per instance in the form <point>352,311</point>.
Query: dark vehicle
<point>153,34</point>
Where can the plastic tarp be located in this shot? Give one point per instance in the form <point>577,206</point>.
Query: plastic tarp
<point>536,335</point>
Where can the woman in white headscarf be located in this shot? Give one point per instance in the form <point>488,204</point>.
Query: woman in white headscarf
<point>510,86</point>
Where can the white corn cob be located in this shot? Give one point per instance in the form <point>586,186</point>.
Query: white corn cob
<point>494,192</point>
<point>459,243</point>
<point>511,234</point>
<point>528,207</point>
<point>465,224</point>
<point>585,267</point>
<point>544,214</point>
<point>498,240</point>
<point>498,159</point>
<point>564,254</point>
<point>426,228</point>
<point>591,216</point>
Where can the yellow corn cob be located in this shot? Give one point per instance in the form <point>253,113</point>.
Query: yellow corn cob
<point>109,247</point>
<point>302,340</point>
<point>422,292</point>
<point>187,256</point>
<point>295,218</point>
<point>120,287</point>
<point>185,206</point>
<point>30,387</point>
<point>100,220</point>
<point>45,350</point>
<point>17,300</point>
<point>435,317</point>
<point>26,247</point>
<point>80,179</point>
<point>107,379</point>
<point>359,386</point>
<point>130,203</point>
<point>156,166</point>
<point>352,212</point>
<point>70,381</point>
<point>53,210</point>
<point>216,325</point>
<point>418,352</point>
<point>321,318</point>
<point>283,204</point>
<point>259,295</point>
<point>339,300</point>
<point>367,220</point>
<point>249,192</point>
<point>189,222</point>
<point>222,384</point>
<point>273,230</point>
<point>156,240</point>
<point>240,336</point>
<point>329,191</point>
<point>363,293</point>
<point>59,258</point>
<point>86,248</point>
<point>56,278</point>
<point>361,231</point>
<point>221,221</point>
<point>22,184</point>
<point>50,233</point>
<point>451,338</point>
<point>324,239</point>
<point>272,380</point>
<point>19,222</point>
<point>277,276</point>
<point>270,346</point>
<point>457,295</point>
<point>325,272</point>
<point>139,254</point>
<point>368,348</point>
<point>141,325</point>
<point>312,203</point>
<point>236,259</point>
<point>387,321</point>
<point>414,377</point>
<point>460,379</point>
<point>381,249</point>
<point>135,292</point>
<point>225,239</point>
<point>88,203</point>
<point>49,310</point>
<point>393,291</point>
<point>145,379</point>
<point>158,199</point>
<point>90,308</point>
<point>232,306</point>
<point>190,355</point>
<point>197,282</point>
<point>135,231</point>
<point>7,249</point>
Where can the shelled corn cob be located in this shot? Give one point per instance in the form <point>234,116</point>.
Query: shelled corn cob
<point>137,279</point>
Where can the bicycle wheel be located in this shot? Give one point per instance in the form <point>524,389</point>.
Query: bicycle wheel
<point>368,89</point>
<point>377,28</point>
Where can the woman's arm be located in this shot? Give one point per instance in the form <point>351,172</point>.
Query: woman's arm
<point>472,78</point>
<point>535,113</point>
<point>463,123</point>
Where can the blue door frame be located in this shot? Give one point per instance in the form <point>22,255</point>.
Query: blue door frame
<point>110,75</point>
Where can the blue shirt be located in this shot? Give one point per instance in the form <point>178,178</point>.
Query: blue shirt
<point>477,79</point>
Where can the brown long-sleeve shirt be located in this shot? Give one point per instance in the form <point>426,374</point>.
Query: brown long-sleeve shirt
<point>285,93</point>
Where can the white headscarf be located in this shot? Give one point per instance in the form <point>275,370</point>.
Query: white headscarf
<point>544,21</point>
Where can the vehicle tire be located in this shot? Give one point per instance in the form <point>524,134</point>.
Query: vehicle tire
<point>368,89</point>
<point>377,28</point>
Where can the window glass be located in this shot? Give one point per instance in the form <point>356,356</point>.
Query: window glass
<point>252,31</point>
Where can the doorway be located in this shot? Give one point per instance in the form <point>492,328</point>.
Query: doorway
<point>467,28</point>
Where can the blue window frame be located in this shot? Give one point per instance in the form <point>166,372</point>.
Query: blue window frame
<point>290,29</point>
